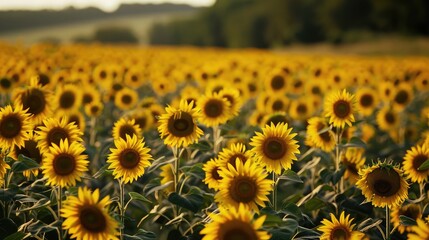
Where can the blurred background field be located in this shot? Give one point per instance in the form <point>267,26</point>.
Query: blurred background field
<point>329,26</point>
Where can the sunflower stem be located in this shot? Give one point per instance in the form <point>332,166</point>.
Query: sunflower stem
<point>387,223</point>
<point>274,200</point>
<point>59,205</point>
<point>92,131</point>
<point>216,139</point>
<point>121,202</point>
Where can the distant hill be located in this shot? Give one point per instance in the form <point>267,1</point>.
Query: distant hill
<point>11,21</point>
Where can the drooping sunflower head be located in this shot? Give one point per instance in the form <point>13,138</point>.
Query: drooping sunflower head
<point>334,229</point>
<point>413,160</point>
<point>68,97</point>
<point>14,126</point>
<point>353,160</point>
<point>246,183</point>
<point>129,158</point>
<point>64,164</point>
<point>124,127</point>
<point>54,130</point>
<point>412,211</point>
<point>320,135</point>
<point>212,178</point>
<point>86,216</point>
<point>235,224</point>
<point>215,109</point>
<point>419,231</point>
<point>275,147</point>
<point>231,153</point>
<point>126,98</point>
<point>340,108</point>
<point>383,184</point>
<point>179,127</point>
<point>36,99</point>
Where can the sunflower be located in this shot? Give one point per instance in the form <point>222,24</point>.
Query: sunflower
<point>235,223</point>
<point>68,97</point>
<point>275,147</point>
<point>126,98</point>
<point>75,117</point>
<point>353,160</point>
<point>90,95</point>
<point>87,217</point>
<point>64,164</point>
<point>367,101</point>
<point>94,109</point>
<point>233,97</point>
<point>277,83</point>
<point>300,109</point>
<point>319,135</point>
<point>383,184</point>
<point>246,183</point>
<point>340,108</point>
<point>387,119</point>
<point>412,211</point>
<point>212,178</point>
<point>129,158</point>
<point>3,168</point>
<point>231,153</point>
<point>413,160</point>
<point>178,127</point>
<point>386,90</point>
<point>215,109</point>
<point>14,126</point>
<point>35,98</point>
<point>134,77</point>
<point>277,103</point>
<point>367,131</point>
<point>167,176</point>
<point>6,84</point>
<point>143,118</point>
<point>256,118</point>
<point>31,150</point>
<point>124,127</point>
<point>419,231</point>
<point>54,130</point>
<point>337,228</point>
<point>402,96</point>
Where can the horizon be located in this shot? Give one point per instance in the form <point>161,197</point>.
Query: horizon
<point>104,5</point>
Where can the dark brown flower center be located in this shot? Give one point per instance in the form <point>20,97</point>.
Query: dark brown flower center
<point>366,100</point>
<point>67,99</point>
<point>237,230</point>
<point>302,109</point>
<point>94,109</point>
<point>87,98</point>
<point>103,74</point>
<point>182,126</point>
<point>64,164</point>
<point>215,173</point>
<point>411,211</point>
<point>92,219</point>
<point>30,150</point>
<point>5,83</point>
<point>390,118</point>
<point>126,130</point>
<point>75,120</point>
<point>342,109</point>
<point>274,148</point>
<point>34,100</point>
<point>43,79</point>
<point>402,97</point>
<point>129,158</point>
<point>384,182</point>
<point>229,98</point>
<point>325,136</point>
<point>278,105</point>
<point>56,134</point>
<point>275,119</point>
<point>277,82</point>
<point>126,99</point>
<point>234,157</point>
<point>418,161</point>
<point>316,90</point>
<point>213,108</point>
<point>10,126</point>
<point>117,86</point>
<point>339,233</point>
<point>141,121</point>
<point>243,189</point>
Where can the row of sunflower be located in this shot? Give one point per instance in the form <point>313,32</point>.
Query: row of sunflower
<point>124,142</point>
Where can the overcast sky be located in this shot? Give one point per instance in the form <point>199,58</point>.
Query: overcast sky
<point>106,5</point>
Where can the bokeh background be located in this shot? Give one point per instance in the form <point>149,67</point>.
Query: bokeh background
<point>356,26</point>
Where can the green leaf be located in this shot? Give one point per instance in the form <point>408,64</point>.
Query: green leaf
<point>338,175</point>
<point>102,172</point>
<point>145,235</point>
<point>272,220</point>
<point>356,142</point>
<point>40,226</point>
<point>291,176</point>
<point>16,236</point>
<point>293,210</point>
<point>24,163</point>
<point>314,204</point>
<point>407,221</point>
<point>191,202</point>
<point>7,227</point>
<point>424,166</point>
<point>139,197</point>
<point>8,194</point>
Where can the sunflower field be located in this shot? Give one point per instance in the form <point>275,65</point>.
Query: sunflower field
<point>127,142</point>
